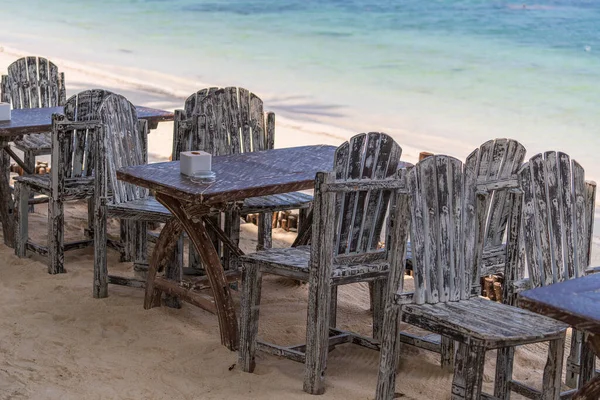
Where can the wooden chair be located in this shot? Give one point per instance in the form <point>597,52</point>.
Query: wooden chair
<point>70,178</point>
<point>447,214</point>
<point>33,82</point>
<point>122,142</point>
<point>496,160</point>
<point>350,209</point>
<point>558,218</point>
<point>228,121</point>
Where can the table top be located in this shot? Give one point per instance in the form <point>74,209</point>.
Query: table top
<point>39,120</point>
<point>575,302</point>
<point>238,176</point>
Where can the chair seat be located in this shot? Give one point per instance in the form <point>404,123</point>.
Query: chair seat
<point>81,187</point>
<point>276,202</point>
<point>297,260</point>
<point>39,144</point>
<point>483,322</point>
<point>146,209</point>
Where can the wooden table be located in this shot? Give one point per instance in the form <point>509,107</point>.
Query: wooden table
<point>32,121</point>
<point>238,177</point>
<point>577,303</point>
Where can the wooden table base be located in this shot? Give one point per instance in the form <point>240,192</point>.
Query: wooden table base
<point>189,217</point>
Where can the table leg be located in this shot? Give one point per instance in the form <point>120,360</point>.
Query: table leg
<point>194,226</point>
<point>591,390</point>
<point>6,201</point>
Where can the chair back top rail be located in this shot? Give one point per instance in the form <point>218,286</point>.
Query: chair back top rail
<point>495,162</point>
<point>33,82</point>
<point>223,121</point>
<point>558,217</point>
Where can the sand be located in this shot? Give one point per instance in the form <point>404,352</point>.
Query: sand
<point>57,342</point>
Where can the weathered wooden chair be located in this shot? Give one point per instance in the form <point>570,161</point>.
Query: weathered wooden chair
<point>228,121</point>
<point>558,217</point>
<point>122,142</point>
<point>350,209</point>
<point>70,178</point>
<point>447,214</point>
<point>33,82</point>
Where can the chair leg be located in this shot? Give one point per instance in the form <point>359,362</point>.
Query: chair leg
<point>378,296</point>
<point>89,232</point>
<point>140,248</point>
<point>174,271</point>
<point>317,337</point>
<point>29,161</point>
<point>100,266</point>
<point>302,214</point>
<point>265,231</point>
<point>127,233</point>
<point>587,363</point>
<point>573,360</point>
<point>21,219</point>
<point>390,351</point>
<point>553,370</point>
<point>333,307</point>
<point>56,249</point>
<point>447,353</point>
<point>232,230</point>
<point>468,372</point>
<point>249,314</point>
<point>504,369</point>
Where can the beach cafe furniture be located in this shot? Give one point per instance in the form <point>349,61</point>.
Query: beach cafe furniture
<point>33,82</point>
<point>74,182</point>
<point>231,120</point>
<point>238,176</point>
<point>574,302</point>
<point>350,208</point>
<point>446,211</point>
<point>557,220</point>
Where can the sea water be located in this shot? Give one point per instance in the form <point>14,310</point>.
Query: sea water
<point>441,76</point>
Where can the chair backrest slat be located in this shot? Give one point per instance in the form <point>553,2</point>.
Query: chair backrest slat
<point>223,121</point>
<point>33,82</point>
<point>125,141</point>
<point>558,217</point>
<point>445,223</point>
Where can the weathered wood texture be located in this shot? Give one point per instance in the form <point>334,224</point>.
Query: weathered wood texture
<point>448,211</point>
<point>39,120</point>
<point>496,161</point>
<point>574,302</point>
<point>349,214</point>
<point>73,156</point>
<point>227,121</point>
<point>239,176</point>
<point>558,218</point>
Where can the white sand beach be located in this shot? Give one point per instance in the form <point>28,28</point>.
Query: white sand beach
<point>57,342</point>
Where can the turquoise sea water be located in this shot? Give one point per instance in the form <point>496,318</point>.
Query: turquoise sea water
<point>442,76</point>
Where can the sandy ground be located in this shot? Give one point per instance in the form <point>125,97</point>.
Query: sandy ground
<point>57,342</point>
<point>60,343</point>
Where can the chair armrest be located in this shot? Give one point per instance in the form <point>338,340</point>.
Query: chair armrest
<point>404,298</point>
<point>591,270</point>
<point>520,285</point>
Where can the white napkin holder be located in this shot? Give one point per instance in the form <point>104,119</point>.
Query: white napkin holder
<point>4,112</point>
<point>194,163</point>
